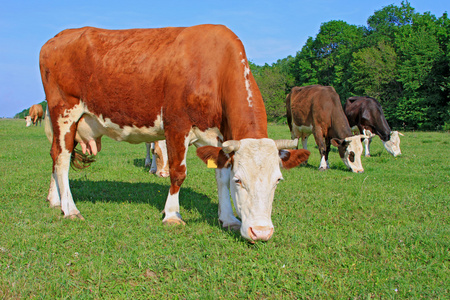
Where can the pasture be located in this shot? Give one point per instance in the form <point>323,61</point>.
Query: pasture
<point>381,234</point>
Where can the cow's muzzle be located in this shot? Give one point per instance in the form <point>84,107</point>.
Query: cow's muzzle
<point>260,233</point>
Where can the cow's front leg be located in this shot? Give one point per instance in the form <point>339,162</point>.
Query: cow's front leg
<point>318,136</point>
<point>367,146</point>
<point>176,150</point>
<point>226,216</point>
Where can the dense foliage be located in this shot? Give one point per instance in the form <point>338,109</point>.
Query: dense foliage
<point>401,58</point>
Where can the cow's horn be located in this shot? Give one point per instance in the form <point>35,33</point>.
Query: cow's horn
<point>286,144</point>
<point>230,146</point>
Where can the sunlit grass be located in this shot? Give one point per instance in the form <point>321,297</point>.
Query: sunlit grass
<point>384,233</point>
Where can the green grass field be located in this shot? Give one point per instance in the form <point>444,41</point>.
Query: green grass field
<point>381,234</point>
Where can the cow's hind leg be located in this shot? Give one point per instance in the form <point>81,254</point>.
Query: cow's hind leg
<point>148,159</point>
<point>62,147</point>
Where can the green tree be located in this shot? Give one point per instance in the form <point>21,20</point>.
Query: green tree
<point>274,83</point>
<point>420,73</point>
<point>326,59</point>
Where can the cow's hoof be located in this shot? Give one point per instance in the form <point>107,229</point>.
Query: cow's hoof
<point>322,169</point>
<point>368,155</point>
<point>58,206</point>
<point>74,217</point>
<point>171,222</point>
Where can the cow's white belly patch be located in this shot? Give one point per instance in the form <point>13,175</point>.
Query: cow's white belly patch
<point>92,126</point>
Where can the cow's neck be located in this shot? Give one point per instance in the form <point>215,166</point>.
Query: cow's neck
<point>244,114</point>
<point>341,129</point>
<point>383,130</point>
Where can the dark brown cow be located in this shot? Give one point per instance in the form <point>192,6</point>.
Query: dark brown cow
<point>143,85</point>
<point>35,115</point>
<point>367,114</point>
<point>317,109</point>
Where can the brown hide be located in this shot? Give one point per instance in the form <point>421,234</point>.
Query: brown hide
<point>193,76</point>
<point>129,76</point>
<point>320,107</point>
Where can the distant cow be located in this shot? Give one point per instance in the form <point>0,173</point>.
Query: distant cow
<point>144,85</point>
<point>367,115</point>
<point>35,115</point>
<point>317,109</point>
<point>159,164</point>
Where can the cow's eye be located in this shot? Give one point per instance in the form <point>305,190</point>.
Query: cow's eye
<point>280,179</point>
<point>237,180</point>
<point>351,156</point>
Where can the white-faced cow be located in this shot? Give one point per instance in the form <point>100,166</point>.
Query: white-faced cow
<point>143,85</point>
<point>35,115</point>
<point>366,114</point>
<point>317,109</point>
<point>159,164</point>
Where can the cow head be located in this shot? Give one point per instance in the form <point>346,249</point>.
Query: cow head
<point>393,145</point>
<point>159,151</point>
<point>350,150</point>
<point>255,173</point>
<point>28,120</point>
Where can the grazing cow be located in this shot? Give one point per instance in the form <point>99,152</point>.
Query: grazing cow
<point>35,114</point>
<point>366,114</point>
<point>159,164</point>
<point>317,109</point>
<point>144,85</point>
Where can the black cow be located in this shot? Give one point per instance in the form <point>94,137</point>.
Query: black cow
<point>366,114</point>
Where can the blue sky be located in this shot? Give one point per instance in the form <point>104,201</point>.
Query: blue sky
<point>270,30</point>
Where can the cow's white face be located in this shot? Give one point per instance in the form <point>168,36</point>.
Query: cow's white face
<point>350,151</point>
<point>255,174</point>
<point>393,145</point>
<point>28,120</point>
<point>254,169</point>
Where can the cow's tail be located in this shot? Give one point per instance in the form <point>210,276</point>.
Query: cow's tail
<point>78,160</point>
<point>288,111</point>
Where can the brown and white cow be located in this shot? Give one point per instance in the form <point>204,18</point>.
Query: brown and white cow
<point>317,109</point>
<point>366,114</point>
<point>159,164</point>
<point>143,85</point>
<point>35,115</point>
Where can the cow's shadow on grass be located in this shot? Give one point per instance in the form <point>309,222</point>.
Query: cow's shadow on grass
<point>140,162</point>
<point>153,194</point>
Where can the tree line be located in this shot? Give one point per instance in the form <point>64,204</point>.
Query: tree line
<point>400,58</point>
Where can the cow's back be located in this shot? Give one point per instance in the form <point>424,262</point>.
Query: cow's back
<point>132,76</point>
<point>36,111</point>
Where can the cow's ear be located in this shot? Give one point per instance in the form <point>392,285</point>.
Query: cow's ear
<point>292,158</point>
<point>337,142</point>
<point>214,157</point>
